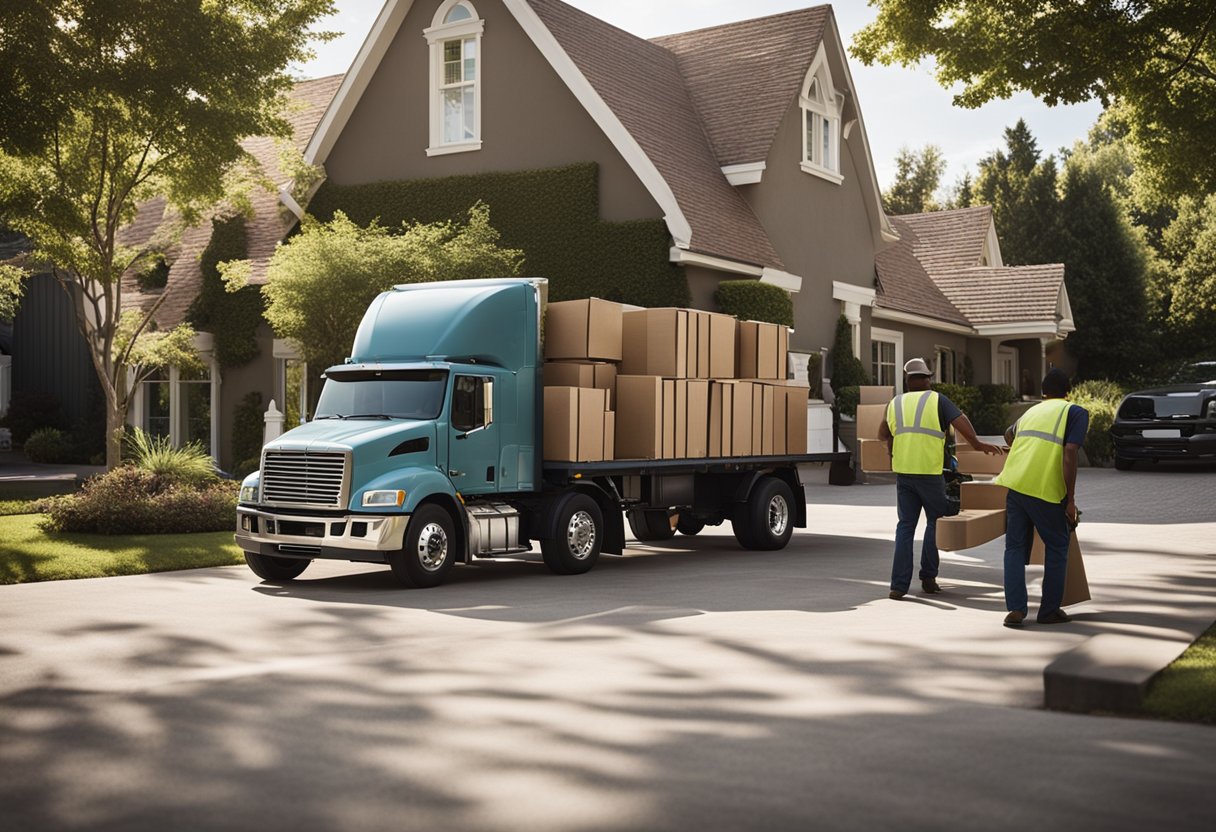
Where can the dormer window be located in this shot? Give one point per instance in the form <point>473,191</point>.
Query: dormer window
<point>455,52</point>
<point>821,109</point>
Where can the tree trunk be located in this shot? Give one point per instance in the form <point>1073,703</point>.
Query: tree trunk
<point>116,422</point>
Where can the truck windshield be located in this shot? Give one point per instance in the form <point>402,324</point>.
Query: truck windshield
<point>382,394</point>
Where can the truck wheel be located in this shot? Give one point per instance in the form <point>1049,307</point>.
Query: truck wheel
<point>689,525</point>
<point>766,521</point>
<point>429,549</point>
<point>270,568</point>
<point>580,535</point>
<point>650,524</point>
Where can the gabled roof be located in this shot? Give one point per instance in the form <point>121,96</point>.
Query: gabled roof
<point>937,270</point>
<point>267,225</point>
<point>744,76</point>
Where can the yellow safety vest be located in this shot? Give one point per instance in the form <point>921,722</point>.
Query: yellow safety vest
<point>920,442</point>
<point>1035,465</point>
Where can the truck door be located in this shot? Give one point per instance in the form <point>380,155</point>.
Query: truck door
<point>473,441</point>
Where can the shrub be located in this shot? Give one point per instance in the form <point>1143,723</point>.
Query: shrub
<point>27,412</point>
<point>967,398</point>
<point>48,446</point>
<point>814,374</point>
<point>991,416</point>
<point>248,423</point>
<point>1099,447</point>
<point>847,399</point>
<point>130,500</point>
<point>1099,389</point>
<point>751,300</point>
<point>188,465</point>
<point>847,369</point>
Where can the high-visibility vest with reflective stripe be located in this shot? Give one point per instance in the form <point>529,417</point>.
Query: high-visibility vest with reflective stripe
<point>920,442</point>
<point>1035,465</point>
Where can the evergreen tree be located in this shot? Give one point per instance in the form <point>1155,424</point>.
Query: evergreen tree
<point>918,174</point>
<point>1022,190</point>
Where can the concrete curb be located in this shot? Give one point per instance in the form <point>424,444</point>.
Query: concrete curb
<point>1109,672</point>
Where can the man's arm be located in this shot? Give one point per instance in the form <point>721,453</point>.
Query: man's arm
<point>884,433</point>
<point>1070,482</point>
<point>963,425</point>
<point>1010,433</point>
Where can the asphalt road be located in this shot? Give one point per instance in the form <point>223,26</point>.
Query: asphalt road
<point>683,686</point>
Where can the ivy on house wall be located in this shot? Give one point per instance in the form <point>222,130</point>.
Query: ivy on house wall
<point>552,215</point>
<point>231,317</point>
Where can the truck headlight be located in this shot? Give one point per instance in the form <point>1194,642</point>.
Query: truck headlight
<point>383,498</point>
<point>249,493</point>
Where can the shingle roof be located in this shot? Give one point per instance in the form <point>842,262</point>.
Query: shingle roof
<point>1009,294</point>
<point>642,84</point>
<point>744,77</point>
<point>903,283</point>
<point>935,270</point>
<point>265,227</point>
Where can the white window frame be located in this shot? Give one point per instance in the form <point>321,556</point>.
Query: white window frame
<point>889,336</point>
<point>284,351</point>
<point>821,105</point>
<point>436,35</point>
<point>938,351</point>
<point>138,402</point>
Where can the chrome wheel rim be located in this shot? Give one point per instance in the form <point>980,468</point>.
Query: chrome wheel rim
<point>778,515</point>
<point>580,535</point>
<point>432,547</point>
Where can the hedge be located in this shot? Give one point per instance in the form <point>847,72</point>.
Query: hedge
<point>552,215</point>
<point>751,300</point>
<point>129,500</point>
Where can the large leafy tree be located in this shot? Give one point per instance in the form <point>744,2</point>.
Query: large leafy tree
<point>918,175</point>
<point>107,103</point>
<point>1154,60</point>
<point>321,281</point>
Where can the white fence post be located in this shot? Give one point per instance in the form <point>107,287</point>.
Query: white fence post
<point>274,424</point>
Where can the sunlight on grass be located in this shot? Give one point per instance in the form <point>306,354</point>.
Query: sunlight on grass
<point>29,554</point>
<point>1186,690</point>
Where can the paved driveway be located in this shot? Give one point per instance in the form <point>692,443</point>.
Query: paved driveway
<point>681,686</point>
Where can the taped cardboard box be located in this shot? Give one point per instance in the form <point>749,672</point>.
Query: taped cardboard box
<point>741,420</point>
<point>971,461</point>
<point>869,418</point>
<point>581,374</point>
<point>984,495</point>
<point>692,418</point>
<point>1076,584</point>
<point>722,329</point>
<point>872,394</point>
<point>721,409</point>
<point>669,419</point>
<point>575,424</point>
<point>639,417</point>
<point>970,528</point>
<point>768,418</point>
<point>797,400</point>
<point>874,455</point>
<point>588,329</point>
<point>656,343</point>
<point>763,350</point>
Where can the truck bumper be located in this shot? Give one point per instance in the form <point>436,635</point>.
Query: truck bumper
<point>354,537</point>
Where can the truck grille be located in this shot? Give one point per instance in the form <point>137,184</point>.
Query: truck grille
<point>304,478</point>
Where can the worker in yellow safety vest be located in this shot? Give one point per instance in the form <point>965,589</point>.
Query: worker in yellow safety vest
<point>1041,475</point>
<point>915,433</point>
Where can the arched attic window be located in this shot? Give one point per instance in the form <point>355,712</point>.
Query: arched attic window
<point>821,110</point>
<point>454,39</point>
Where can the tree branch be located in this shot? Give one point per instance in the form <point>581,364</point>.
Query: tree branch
<point>1195,47</point>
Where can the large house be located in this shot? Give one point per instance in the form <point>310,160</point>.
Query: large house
<point>641,170</point>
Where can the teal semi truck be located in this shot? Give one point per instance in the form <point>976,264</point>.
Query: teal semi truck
<point>425,451</point>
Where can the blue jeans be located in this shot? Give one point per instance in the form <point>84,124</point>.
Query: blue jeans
<point>1024,515</point>
<point>914,493</point>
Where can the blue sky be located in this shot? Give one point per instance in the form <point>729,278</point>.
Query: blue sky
<point>901,106</point>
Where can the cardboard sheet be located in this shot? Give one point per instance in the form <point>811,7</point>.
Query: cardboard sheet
<point>1076,584</point>
<point>969,528</point>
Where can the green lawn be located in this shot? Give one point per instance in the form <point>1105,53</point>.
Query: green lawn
<point>1186,690</point>
<point>29,554</point>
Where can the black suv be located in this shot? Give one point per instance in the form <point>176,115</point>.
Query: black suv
<point>1177,421</point>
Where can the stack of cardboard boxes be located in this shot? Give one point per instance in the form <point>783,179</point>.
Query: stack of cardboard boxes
<point>679,384</point>
<point>871,413</point>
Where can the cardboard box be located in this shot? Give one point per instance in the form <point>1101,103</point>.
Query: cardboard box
<point>871,394</point>
<point>762,349</point>
<point>722,330</point>
<point>609,434</point>
<point>874,455</point>
<point>758,423</point>
<point>587,329</point>
<point>721,409</point>
<point>581,374</point>
<point>669,419</point>
<point>741,420</point>
<point>869,418</point>
<point>977,462</point>
<point>1076,584</point>
<point>656,343</point>
<point>985,495</point>
<point>698,358</point>
<point>768,418</point>
<point>970,527</point>
<point>575,424</point>
<point>692,418</point>
<point>797,400</point>
<point>639,417</point>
